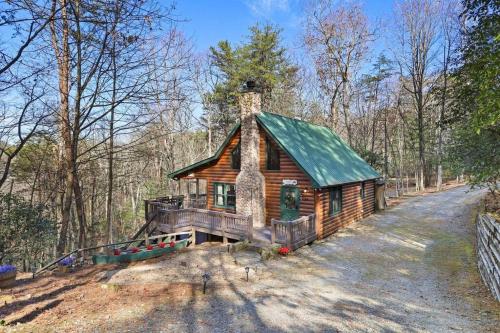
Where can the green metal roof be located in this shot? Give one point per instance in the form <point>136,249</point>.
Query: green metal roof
<point>319,152</point>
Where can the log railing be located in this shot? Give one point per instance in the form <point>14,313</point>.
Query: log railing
<point>294,234</point>
<point>488,252</point>
<point>80,255</point>
<point>227,225</point>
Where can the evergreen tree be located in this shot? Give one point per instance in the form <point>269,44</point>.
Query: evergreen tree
<point>476,133</point>
<point>261,58</point>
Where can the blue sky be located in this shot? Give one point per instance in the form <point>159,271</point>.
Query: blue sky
<point>209,21</point>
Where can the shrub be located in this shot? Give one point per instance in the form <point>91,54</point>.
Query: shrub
<point>149,247</point>
<point>135,250</point>
<point>117,252</point>
<point>162,245</point>
<point>172,244</point>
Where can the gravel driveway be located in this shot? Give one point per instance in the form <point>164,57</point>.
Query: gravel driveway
<point>409,269</point>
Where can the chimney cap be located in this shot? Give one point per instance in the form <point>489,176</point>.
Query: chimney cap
<point>250,85</point>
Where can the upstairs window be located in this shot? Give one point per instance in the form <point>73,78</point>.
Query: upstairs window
<point>224,195</point>
<point>362,190</point>
<point>335,200</point>
<point>236,157</point>
<point>272,156</point>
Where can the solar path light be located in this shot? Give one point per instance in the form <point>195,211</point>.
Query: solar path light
<point>247,269</point>
<point>205,278</point>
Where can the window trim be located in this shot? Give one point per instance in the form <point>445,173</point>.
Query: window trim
<point>271,146</point>
<point>331,212</point>
<point>362,190</point>
<point>237,147</point>
<point>215,184</point>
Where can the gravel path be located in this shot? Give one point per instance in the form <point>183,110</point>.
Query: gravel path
<point>409,269</point>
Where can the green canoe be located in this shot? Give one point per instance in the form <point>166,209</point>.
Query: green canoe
<point>126,257</point>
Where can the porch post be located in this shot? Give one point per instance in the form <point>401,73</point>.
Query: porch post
<point>197,189</point>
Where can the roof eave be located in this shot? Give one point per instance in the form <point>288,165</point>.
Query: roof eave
<point>174,175</point>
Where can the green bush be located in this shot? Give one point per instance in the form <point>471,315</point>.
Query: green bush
<point>26,234</point>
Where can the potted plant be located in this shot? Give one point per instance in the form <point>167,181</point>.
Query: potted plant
<point>7,275</point>
<point>65,264</point>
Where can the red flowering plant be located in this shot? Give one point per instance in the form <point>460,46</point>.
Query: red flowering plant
<point>162,245</point>
<point>283,250</point>
<point>149,247</point>
<point>172,244</point>
<point>117,252</point>
<point>134,250</point>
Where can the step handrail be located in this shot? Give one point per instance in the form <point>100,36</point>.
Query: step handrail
<point>82,250</point>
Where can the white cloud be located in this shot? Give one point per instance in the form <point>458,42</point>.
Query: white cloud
<point>266,8</point>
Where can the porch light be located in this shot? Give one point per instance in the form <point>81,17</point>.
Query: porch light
<point>205,278</point>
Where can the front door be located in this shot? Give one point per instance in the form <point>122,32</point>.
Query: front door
<point>290,202</point>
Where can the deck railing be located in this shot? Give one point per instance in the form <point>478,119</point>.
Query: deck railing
<point>294,234</point>
<point>227,225</point>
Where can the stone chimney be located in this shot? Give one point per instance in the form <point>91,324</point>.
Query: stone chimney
<point>250,182</point>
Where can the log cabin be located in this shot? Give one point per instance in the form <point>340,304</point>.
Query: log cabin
<point>277,169</point>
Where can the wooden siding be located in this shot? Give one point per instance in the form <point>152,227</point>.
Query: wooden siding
<point>274,180</point>
<point>353,207</point>
<point>219,172</point>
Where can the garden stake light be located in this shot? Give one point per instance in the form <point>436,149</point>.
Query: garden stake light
<point>205,278</point>
<point>247,269</point>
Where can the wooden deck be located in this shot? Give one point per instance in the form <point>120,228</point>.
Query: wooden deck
<point>166,217</point>
<point>226,225</point>
<point>294,234</point>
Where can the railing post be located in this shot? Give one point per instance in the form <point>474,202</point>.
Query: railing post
<point>146,209</point>
<point>289,237</point>
<point>273,231</point>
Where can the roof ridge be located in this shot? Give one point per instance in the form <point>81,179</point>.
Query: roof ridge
<point>300,120</point>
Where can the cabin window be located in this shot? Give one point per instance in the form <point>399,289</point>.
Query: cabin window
<point>362,190</point>
<point>224,195</point>
<point>273,156</point>
<point>236,157</point>
<point>335,200</point>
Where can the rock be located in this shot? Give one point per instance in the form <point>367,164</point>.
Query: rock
<point>110,286</point>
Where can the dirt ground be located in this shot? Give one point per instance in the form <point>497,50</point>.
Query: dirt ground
<point>411,268</point>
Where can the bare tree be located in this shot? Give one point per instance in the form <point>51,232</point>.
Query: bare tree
<point>23,112</point>
<point>417,23</point>
<point>450,33</point>
<point>337,37</point>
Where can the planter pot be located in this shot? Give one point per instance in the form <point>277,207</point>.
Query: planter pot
<point>7,279</point>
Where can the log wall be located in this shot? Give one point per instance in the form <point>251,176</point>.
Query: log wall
<point>220,172</point>
<point>274,180</point>
<point>488,252</point>
<point>353,207</point>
